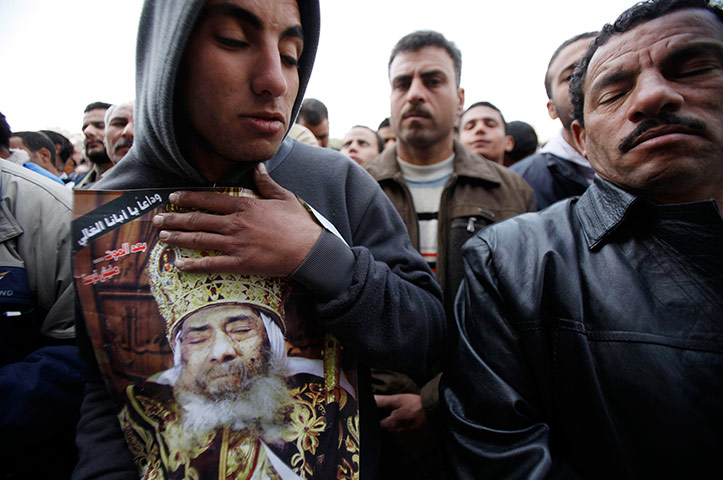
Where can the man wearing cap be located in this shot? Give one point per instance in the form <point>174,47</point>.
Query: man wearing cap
<point>227,391</point>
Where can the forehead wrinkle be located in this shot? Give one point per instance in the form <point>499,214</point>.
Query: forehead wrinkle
<point>425,60</point>
<point>680,26</point>
<point>658,52</point>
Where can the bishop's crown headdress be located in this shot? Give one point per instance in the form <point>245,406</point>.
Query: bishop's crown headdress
<point>179,294</point>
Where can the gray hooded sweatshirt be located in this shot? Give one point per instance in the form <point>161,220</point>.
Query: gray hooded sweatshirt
<point>369,287</point>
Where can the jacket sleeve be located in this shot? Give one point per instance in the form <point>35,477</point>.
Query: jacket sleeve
<point>377,295</point>
<point>493,411</point>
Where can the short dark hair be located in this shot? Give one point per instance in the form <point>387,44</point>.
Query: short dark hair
<point>385,123</point>
<point>5,132</point>
<point>415,41</point>
<point>630,18</point>
<point>97,106</point>
<point>485,104</point>
<point>313,112</point>
<point>525,139</point>
<point>380,140</point>
<point>563,45</point>
<point>35,141</point>
<point>66,148</point>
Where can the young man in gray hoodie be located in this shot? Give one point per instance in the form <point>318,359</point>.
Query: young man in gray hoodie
<point>218,87</point>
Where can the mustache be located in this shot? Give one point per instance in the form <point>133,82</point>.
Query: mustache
<point>664,118</point>
<point>234,368</point>
<point>122,143</point>
<point>416,110</point>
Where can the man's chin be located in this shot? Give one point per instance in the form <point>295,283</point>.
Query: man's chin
<point>99,159</point>
<point>257,151</point>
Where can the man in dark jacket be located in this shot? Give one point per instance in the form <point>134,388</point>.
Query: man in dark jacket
<point>559,170</point>
<point>218,86</point>
<point>589,340</point>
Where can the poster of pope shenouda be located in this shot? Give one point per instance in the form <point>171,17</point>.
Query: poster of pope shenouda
<point>215,375</point>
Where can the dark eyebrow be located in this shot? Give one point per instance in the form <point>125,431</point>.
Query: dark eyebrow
<point>607,80</point>
<point>570,68</point>
<point>432,73</point>
<point>242,15</point>
<point>399,78</point>
<point>202,328</point>
<point>293,32</point>
<point>689,51</point>
<point>424,75</point>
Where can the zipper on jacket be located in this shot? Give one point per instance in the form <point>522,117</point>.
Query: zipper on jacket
<point>470,224</point>
<point>486,212</point>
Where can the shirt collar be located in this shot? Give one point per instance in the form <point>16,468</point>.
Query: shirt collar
<point>558,146</point>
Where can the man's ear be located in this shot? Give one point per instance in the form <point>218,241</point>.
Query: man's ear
<point>578,132</point>
<point>509,143</point>
<point>460,106</point>
<point>551,110</point>
<point>46,157</point>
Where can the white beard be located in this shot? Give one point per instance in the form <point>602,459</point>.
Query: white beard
<point>259,407</point>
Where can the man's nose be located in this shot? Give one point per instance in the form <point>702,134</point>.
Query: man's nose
<point>92,132</point>
<point>128,130</point>
<point>652,95</point>
<point>222,349</point>
<point>269,75</point>
<point>479,129</point>
<point>417,91</point>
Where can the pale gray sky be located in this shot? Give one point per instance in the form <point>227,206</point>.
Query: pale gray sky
<point>58,56</point>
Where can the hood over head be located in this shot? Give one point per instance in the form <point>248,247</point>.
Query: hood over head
<point>156,159</point>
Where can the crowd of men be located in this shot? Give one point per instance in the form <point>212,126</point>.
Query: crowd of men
<point>512,311</point>
<point>107,137</point>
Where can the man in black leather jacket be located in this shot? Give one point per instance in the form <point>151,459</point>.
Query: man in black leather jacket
<point>589,338</point>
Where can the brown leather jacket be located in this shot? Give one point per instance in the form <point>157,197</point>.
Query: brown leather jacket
<point>478,193</point>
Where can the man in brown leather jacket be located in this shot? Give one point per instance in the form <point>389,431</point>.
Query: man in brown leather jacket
<point>444,193</point>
